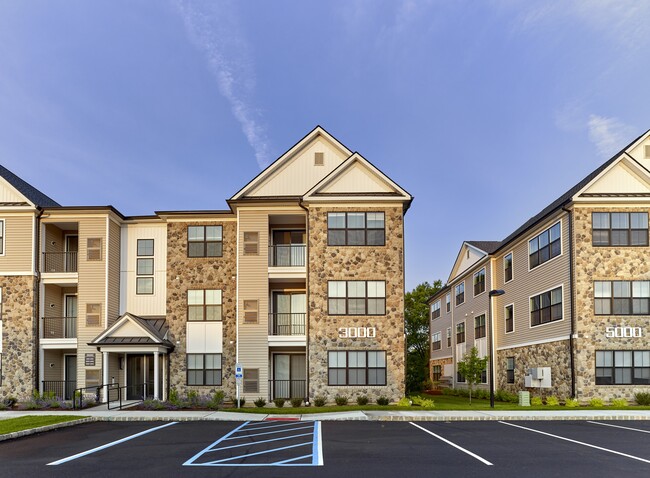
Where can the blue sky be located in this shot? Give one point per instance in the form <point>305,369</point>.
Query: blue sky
<point>485,111</point>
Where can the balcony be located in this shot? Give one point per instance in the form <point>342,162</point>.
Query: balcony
<point>287,255</point>
<point>59,262</point>
<point>59,327</point>
<point>287,324</point>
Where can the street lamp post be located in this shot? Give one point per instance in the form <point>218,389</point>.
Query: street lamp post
<point>492,293</point>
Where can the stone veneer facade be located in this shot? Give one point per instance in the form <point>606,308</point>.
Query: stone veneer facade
<point>356,263</point>
<point>552,354</point>
<point>604,263</point>
<point>18,344</point>
<point>185,273</point>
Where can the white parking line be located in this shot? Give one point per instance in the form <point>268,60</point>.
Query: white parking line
<point>577,442</point>
<point>618,426</point>
<point>108,445</point>
<point>473,455</point>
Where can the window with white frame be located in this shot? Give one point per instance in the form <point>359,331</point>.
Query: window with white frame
<point>448,301</point>
<point>2,237</point>
<point>448,337</point>
<point>509,317</point>
<point>436,341</point>
<point>479,327</point>
<point>545,246</point>
<point>460,293</point>
<point>435,310</point>
<point>507,267</point>
<point>460,333</point>
<point>356,297</point>
<point>479,282</point>
<point>546,307</point>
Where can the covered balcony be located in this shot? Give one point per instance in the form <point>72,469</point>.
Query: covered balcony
<point>59,251</point>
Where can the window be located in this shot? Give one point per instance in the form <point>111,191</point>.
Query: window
<point>356,297</point>
<point>250,311</point>
<point>251,243</point>
<point>460,333</point>
<point>484,375</point>
<point>510,370</point>
<point>448,336</point>
<point>2,237</point>
<point>93,315</point>
<point>622,297</point>
<point>460,293</point>
<point>509,315</point>
<point>356,367</point>
<point>435,310</point>
<point>546,307</point>
<point>623,367</point>
<point>204,369</point>
<point>436,341</point>
<point>144,267</point>
<point>460,377</point>
<point>355,229</point>
<point>204,241</point>
<point>94,249</point>
<point>251,380</point>
<point>319,159</point>
<point>507,268</point>
<point>479,282</point>
<point>204,305</point>
<point>436,372</point>
<point>448,301</point>
<point>479,327</point>
<point>619,228</point>
<point>545,246</point>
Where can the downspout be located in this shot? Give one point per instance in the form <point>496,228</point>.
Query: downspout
<point>572,304</point>
<point>36,299</point>
<point>300,203</point>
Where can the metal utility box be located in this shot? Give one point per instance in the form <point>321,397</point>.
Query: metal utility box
<point>538,377</point>
<point>524,399</point>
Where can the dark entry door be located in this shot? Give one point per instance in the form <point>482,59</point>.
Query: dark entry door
<point>135,377</point>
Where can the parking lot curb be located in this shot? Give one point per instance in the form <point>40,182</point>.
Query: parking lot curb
<point>47,428</point>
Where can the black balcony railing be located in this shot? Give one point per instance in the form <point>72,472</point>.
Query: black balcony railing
<point>59,327</point>
<point>287,389</point>
<point>287,255</point>
<point>287,324</point>
<point>59,262</point>
<point>62,389</point>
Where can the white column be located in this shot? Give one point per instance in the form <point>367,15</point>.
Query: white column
<point>105,373</point>
<point>164,373</point>
<point>156,374</point>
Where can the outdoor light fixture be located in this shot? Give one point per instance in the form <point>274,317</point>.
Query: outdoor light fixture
<point>492,293</point>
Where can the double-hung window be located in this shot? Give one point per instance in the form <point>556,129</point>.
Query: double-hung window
<point>448,337</point>
<point>619,228</point>
<point>479,327</point>
<point>623,367</point>
<point>204,241</point>
<point>435,310</point>
<point>356,297</point>
<point>144,267</point>
<point>509,316</point>
<point>460,293</point>
<point>510,370</point>
<point>2,237</point>
<point>356,229</point>
<point>204,305</point>
<point>507,268</point>
<point>479,282</point>
<point>436,341</point>
<point>545,246</point>
<point>203,369</point>
<point>546,307</point>
<point>460,333</point>
<point>352,367</point>
<point>448,301</point>
<point>622,297</point>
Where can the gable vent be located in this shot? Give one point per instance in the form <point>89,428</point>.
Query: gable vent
<point>646,151</point>
<point>250,311</point>
<point>319,159</point>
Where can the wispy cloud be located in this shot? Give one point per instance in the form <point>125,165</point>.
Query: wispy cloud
<point>213,28</point>
<point>608,134</point>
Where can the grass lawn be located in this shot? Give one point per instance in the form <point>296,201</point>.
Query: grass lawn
<point>11,425</point>
<point>442,402</point>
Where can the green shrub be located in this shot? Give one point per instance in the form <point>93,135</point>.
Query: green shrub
<point>296,402</point>
<point>596,402</point>
<point>505,396</point>
<point>279,402</point>
<point>448,391</point>
<point>423,402</point>
<point>536,401</point>
<point>216,400</point>
<point>260,402</point>
<point>9,401</point>
<point>404,402</point>
<point>3,406</point>
<point>319,401</point>
<point>362,400</point>
<point>153,405</point>
<point>174,399</point>
<point>242,401</point>
<point>552,401</point>
<point>383,401</point>
<point>341,400</point>
<point>571,403</point>
<point>619,403</point>
<point>428,384</point>
<point>193,397</point>
<point>642,398</point>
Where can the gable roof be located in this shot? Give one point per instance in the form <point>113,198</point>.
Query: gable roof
<point>486,246</point>
<point>153,331</point>
<point>33,195</point>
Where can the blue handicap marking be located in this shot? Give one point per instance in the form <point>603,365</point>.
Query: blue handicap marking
<point>272,443</point>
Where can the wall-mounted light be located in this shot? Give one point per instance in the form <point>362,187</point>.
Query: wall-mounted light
<point>121,363</point>
<point>53,243</point>
<point>52,305</point>
<point>51,364</point>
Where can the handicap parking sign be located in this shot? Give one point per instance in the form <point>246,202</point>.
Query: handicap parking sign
<point>239,371</point>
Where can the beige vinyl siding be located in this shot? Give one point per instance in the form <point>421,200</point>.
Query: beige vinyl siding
<point>440,325</point>
<point>113,257</point>
<point>18,243</point>
<point>254,285</point>
<point>92,290</point>
<point>525,284</point>
<point>54,357</point>
<point>473,306</point>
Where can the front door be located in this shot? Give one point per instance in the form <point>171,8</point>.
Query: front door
<point>140,376</point>
<point>70,377</point>
<point>289,373</point>
<point>70,328</point>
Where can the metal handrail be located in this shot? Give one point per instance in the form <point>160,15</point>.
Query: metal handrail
<point>287,389</point>
<point>59,327</point>
<point>120,392</point>
<point>287,323</point>
<point>59,262</point>
<point>78,395</point>
<point>287,255</point>
<point>60,388</point>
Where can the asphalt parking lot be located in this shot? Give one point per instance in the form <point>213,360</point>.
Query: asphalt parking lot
<point>341,449</point>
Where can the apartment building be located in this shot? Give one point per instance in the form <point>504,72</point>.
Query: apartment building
<point>300,281</point>
<point>567,295</point>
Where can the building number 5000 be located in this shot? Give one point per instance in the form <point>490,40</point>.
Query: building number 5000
<point>357,332</point>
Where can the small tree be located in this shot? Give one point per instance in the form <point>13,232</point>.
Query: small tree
<point>472,367</point>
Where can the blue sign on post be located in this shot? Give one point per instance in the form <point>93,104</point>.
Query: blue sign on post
<point>239,371</point>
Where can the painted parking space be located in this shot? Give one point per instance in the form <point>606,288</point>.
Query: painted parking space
<point>270,443</point>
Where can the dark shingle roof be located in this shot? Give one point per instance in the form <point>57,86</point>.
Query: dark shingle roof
<point>27,190</point>
<point>486,246</point>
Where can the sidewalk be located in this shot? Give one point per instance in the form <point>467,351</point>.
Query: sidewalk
<point>99,414</point>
